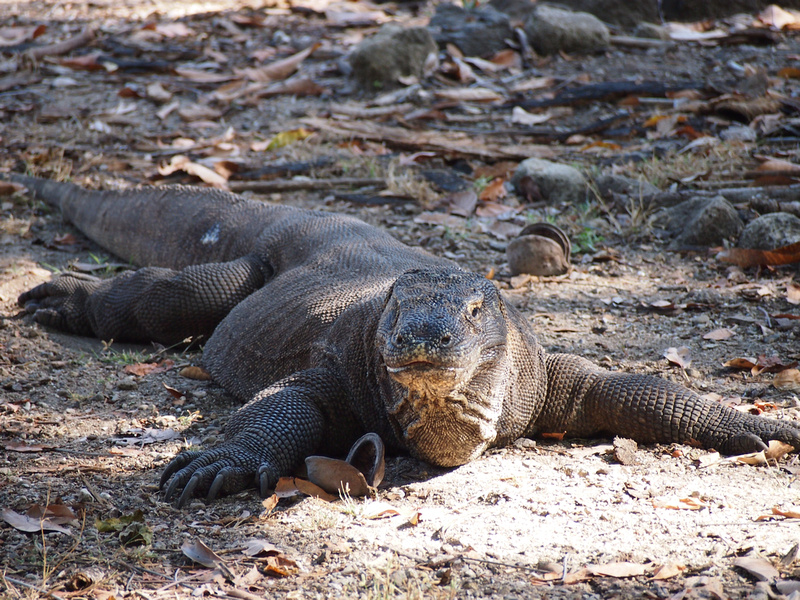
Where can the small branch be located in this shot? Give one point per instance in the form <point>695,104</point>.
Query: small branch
<point>769,205</point>
<point>32,587</point>
<point>627,41</point>
<point>83,38</point>
<point>778,195</point>
<point>291,185</point>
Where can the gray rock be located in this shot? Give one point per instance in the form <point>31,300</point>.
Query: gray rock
<point>771,231</point>
<point>738,133</point>
<point>394,52</point>
<point>481,31</point>
<point>516,9</point>
<point>700,222</point>
<point>127,383</point>
<point>551,29</point>
<point>609,184</point>
<point>651,31</point>
<point>556,182</point>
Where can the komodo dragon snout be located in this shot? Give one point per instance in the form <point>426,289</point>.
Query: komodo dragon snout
<point>438,328</point>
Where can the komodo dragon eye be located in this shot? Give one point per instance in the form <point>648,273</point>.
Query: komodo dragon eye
<point>475,309</point>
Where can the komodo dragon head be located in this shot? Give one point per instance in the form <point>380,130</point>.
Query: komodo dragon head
<point>442,337</point>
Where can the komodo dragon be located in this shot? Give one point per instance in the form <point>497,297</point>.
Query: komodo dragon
<point>330,328</point>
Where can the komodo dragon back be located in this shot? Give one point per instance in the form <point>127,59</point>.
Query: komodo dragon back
<point>172,226</point>
<point>331,329</point>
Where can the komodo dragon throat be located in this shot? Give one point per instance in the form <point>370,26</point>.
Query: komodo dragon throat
<point>330,328</point>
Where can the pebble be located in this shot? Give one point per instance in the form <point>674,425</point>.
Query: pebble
<point>128,383</point>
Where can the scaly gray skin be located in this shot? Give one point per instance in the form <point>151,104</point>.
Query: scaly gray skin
<point>331,328</point>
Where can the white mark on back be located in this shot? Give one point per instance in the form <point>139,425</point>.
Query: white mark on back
<point>211,236</point>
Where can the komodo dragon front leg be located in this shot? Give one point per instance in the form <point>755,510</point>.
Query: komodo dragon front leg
<point>267,438</point>
<point>150,304</point>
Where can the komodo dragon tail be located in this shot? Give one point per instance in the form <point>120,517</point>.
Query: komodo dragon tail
<point>172,226</point>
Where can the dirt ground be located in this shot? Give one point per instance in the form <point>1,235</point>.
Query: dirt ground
<point>81,425</point>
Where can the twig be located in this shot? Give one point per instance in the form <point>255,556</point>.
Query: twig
<point>777,194</point>
<point>237,593</point>
<point>637,42</point>
<point>83,38</point>
<point>769,205</point>
<point>32,587</point>
<point>292,185</point>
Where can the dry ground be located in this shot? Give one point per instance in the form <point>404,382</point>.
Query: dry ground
<point>487,530</point>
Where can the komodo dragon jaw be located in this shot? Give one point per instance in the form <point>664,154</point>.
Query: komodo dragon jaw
<point>442,339</point>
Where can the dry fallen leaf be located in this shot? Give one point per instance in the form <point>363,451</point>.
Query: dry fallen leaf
<point>280,69</point>
<point>520,116</point>
<point>776,450</point>
<point>778,18</point>
<point>29,524</point>
<point>679,503</point>
<point>754,458</point>
<point>13,36</point>
<point>192,372</point>
<point>24,447</point>
<point>181,162</point>
<point>793,292</point>
<point>789,514</point>
<point>712,458</point>
<point>759,568</point>
<point>788,379</point>
<point>294,486</point>
<point>334,475</point>
<point>471,94</point>
<point>748,257</point>
<point>379,510</point>
<point>494,191</point>
<point>269,505</point>
<point>679,356</point>
<point>202,554</point>
<point>719,334</point>
<point>141,369</point>
<point>668,571</point>
<point>256,546</point>
<point>618,569</point>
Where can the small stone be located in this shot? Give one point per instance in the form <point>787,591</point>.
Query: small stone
<point>611,183</point>
<point>127,384</point>
<point>85,496</point>
<point>556,182</point>
<point>625,451</point>
<point>651,31</point>
<point>525,443</point>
